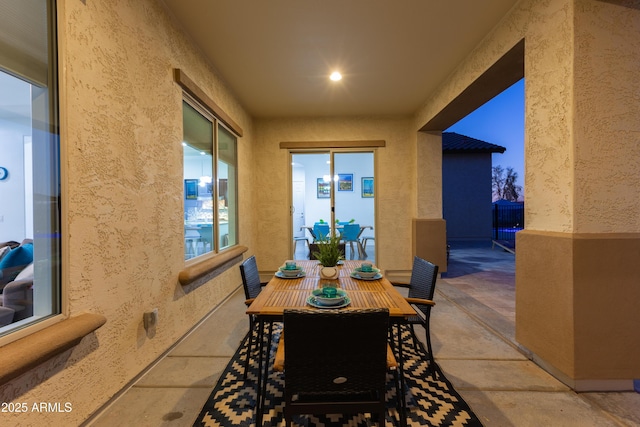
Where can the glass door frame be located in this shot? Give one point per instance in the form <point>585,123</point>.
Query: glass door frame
<point>332,173</point>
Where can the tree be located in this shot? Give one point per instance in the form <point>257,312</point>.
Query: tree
<point>504,186</point>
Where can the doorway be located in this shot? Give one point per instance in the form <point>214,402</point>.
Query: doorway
<point>333,192</point>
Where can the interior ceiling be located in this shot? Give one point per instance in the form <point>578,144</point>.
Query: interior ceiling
<point>276,55</point>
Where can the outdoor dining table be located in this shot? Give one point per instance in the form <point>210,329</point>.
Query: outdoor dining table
<point>285,293</point>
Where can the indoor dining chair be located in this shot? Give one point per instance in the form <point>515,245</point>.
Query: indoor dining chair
<point>321,231</point>
<point>422,286</point>
<point>351,234</point>
<point>252,287</point>
<point>341,367</point>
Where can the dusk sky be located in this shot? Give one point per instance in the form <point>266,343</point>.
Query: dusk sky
<point>500,121</point>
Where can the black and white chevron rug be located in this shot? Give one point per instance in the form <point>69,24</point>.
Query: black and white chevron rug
<point>431,399</point>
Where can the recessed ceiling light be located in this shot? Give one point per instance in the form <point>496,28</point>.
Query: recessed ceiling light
<point>335,76</point>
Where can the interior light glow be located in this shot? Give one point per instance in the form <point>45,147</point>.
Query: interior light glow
<point>204,180</point>
<point>335,76</point>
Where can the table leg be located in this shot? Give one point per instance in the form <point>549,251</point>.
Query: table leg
<point>260,344</point>
<point>402,397</point>
<point>262,385</point>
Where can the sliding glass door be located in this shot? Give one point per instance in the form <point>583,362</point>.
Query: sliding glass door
<point>333,192</point>
<point>354,203</point>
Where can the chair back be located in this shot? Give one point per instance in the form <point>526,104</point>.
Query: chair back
<point>350,232</point>
<point>423,282</point>
<point>335,352</point>
<point>321,230</point>
<point>250,277</point>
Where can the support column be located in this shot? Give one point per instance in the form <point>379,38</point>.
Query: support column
<point>577,264</point>
<point>429,232</point>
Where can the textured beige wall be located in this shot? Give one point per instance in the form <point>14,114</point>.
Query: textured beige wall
<point>429,175</point>
<point>582,152</point>
<point>581,140</point>
<point>395,190</point>
<point>606,119</point>
<point>122,170</point>
<point>545,26</point>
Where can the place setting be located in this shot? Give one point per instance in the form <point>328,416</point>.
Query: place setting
<point>290,270</point>
<point>366,272</point>
<point>328,296</point>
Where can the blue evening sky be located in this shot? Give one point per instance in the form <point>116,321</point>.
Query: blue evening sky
<point>500,121</point>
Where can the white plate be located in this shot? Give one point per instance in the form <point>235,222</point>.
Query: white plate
<point>357,276</point>
<point>282,276</point>
<point>313,303</point>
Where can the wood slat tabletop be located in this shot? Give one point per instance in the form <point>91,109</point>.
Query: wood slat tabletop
<point>280,294</point>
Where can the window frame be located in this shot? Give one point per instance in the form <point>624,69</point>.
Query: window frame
<point>216,122</point>
<point>56,254</point>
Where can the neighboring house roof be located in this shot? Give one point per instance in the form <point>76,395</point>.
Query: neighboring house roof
<point>455,143</point>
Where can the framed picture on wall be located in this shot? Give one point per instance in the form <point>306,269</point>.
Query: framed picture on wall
<point>323,189</point>
<point>367,187</point>
<point>345,182</point>
<point>191,189</point>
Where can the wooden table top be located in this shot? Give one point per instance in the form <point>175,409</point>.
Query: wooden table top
<point>280,294</point>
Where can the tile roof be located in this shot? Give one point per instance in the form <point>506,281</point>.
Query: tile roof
<point>454,142</point>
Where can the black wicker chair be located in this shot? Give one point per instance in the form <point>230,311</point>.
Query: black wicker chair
<point>335,361</point>
<point>252,287</point>
<point>422,287</point>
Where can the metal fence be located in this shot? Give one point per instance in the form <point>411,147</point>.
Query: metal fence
<point>507,220</point>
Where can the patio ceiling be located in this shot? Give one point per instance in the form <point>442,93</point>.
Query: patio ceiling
<point>276,56</point>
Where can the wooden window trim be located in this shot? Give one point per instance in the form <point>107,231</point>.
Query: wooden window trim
<point>204,266</point>
<point>332,144</point>
<point>194,90</point>
<point>19,357</point>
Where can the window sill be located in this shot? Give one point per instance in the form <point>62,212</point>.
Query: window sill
<point>209,265</point>
<point>22,355</point>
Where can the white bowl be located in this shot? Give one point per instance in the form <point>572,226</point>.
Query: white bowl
<point>291,273</point>
<point>318,294</point>
<point>366,274</point>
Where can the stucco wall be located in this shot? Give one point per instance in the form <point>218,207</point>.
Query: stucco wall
<point>395,190</point>
<point>607,108</point>
<point>581,162</point>
<point>581,114</point>
<point>121,127</point>
<point>546,27</point>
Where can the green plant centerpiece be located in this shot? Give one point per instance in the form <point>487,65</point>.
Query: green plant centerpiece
<point>329,252</point>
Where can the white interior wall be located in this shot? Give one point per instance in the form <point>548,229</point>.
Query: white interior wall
<point>15,131</point>
<point>349,204</point>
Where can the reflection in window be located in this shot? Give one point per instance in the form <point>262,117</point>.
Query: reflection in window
<point>227,218</point>
<point>205,203</point>
<point>29,166</point>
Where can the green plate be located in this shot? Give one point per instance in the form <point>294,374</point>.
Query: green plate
<point>282,276</point>
<point>313,303</point>
<point>355,275</point>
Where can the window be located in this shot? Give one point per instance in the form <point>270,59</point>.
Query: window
<point>29,165</point>
<point>210,193</point>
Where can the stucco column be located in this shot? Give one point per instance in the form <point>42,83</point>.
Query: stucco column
<point>578,262</point>
<point>429,232</point>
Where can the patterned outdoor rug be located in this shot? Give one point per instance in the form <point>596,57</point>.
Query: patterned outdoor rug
<point>431,399</point>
